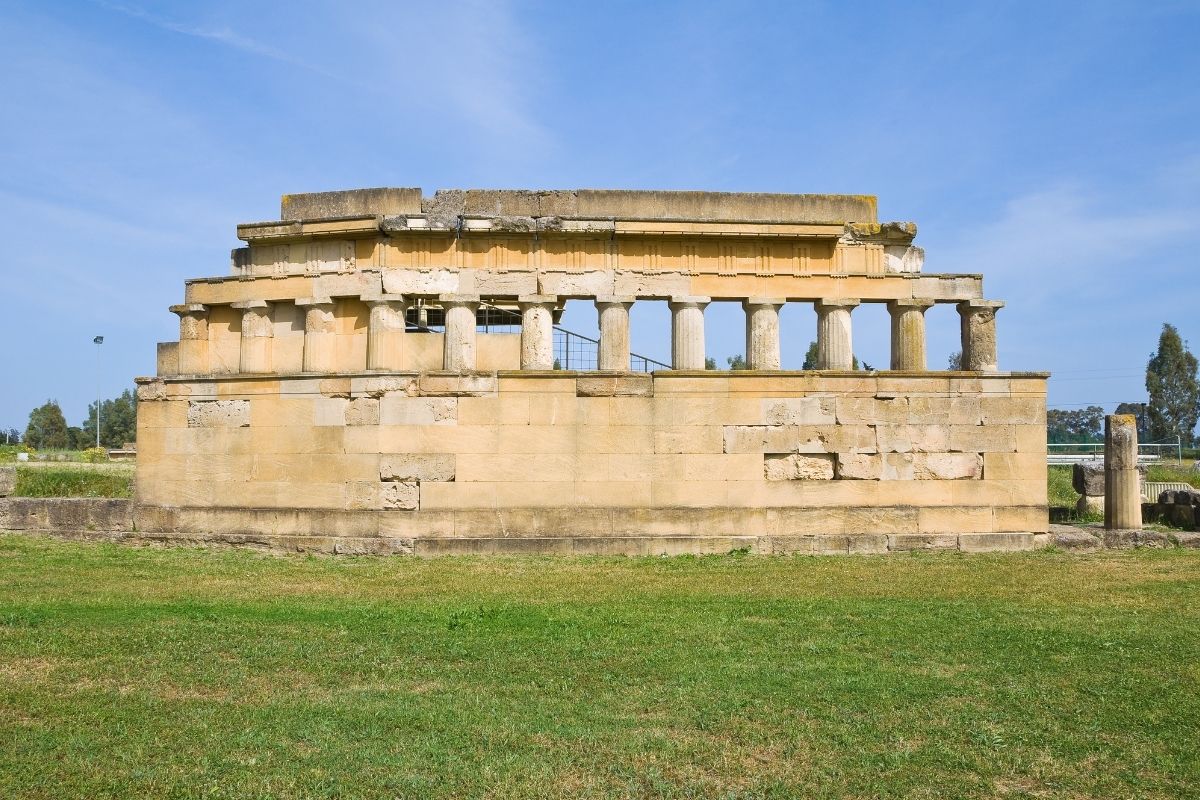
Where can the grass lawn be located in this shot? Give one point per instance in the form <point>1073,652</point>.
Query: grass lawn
<point>131,672</point>
<point>74,480</point>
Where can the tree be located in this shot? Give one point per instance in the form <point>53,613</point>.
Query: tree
<point>1174,390</point>
<point>1140,413</point>
<point>710,362</point>
<point>955,361</point>
<point>118,421</point>
<point>737,362</point>
<point>810,358</point>
<point>47,429</point>
<point>1072,427</point>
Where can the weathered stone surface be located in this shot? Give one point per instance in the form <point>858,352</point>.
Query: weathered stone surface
<point>860,466</point>
<point>350,203</point>
<point>1088,478</point>
<point>793,466</point>
<point>468,385</point>
<point>363,411</point>
<point>922,541</point>
<point>1075,539</point>
<point>799,411</point>
<point>1090,504</point>
<point>8,480</point>
<point>402,495</point>
<point>218,414</point>
<point>416,467</point>
<point>615,386</point>
<point>1122,501</point>
<point>947,466</point>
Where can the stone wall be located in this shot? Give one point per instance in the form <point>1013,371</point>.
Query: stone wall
<point>553,461</point>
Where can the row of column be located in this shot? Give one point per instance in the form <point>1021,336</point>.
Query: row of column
<point>386,325</point>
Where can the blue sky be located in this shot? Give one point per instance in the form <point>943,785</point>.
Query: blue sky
<point>1054,147</point>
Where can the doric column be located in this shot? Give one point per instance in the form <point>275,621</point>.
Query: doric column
<point>613,352</point>
<point>687,332</point>
<point>459,340</point>
<point>320,334</point>
<point>835,342</point>
<point>193,338</point>
<point>762,332</point>
<point>385,332</point>
<point>908,333</point>
<point>257,331</point>
<point>537,330</point>
<point>979,334</point>
<point>1122,494</point>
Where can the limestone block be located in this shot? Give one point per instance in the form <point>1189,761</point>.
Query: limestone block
<point>871,411</point>
<point>1020,519</point>
<point>378,386</point>
<point>218,414</point>
<point>849,439</point>
<point>929,410</point>
<point>929,438</point>
<point>1090,504</point>
<point>983,439</point>
<point>425,282</point>
<point>150,389</point>
<point>799,411</point>
<point>363,411</point>
<point>456,385</point>
<point>793,466</point>
<point>900,542</point>
<point>590,283</point>
<point>659,286</point>
<point>330,411</point>
<point>893,439</point>
<point>891,519</point>
<point>8,480</point>
<point>898,467</point>
<point>954,519</point>
<point>859,466</point>
<point>903,259</point>
<point>416,467</point>
<point>1013,410</point>
<point>615,386</point>
<point>490,283</point>
<point>947,466</point>
<point>403,410</point>
<point>348,284</point>
<point>403,495</point>
<point>1088,478</point>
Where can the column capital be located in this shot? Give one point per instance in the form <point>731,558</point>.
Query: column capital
<point>536,299</point>
<point>185,309</point>
<point>314,301</point>
<point>384,299</point>
<point>751,302</point>
<point>458,299</point>
<point>685,301</point>
<point>966,306</point>
<point>838,302</point>
<point>909,303</point>
<point>615,299</point>
<point>249,305</point>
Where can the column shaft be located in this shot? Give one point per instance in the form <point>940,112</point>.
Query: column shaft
<point>908,334</point>
<point>458,351</point>
<point>1122,494</point>
<point>385,333</point>
<point>687,332</point>
<point>613,351</point>
<point>979,334</point>
<point>320,335</point>
<point>762,332</point>
<point>257,332</point>
<point>193,338</point>
<point>537,331</point>
<point>835,340</point>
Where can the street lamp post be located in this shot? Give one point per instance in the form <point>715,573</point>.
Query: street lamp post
<point>99,340</point>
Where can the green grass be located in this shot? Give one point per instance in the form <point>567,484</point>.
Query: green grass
<point>1168,473</point>
<point>76,480</point>
<point>181,673</point>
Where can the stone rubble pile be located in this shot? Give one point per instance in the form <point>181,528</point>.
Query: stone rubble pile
<point>1177,508</point>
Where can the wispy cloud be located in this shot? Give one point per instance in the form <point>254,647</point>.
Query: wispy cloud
<point>223,35</point>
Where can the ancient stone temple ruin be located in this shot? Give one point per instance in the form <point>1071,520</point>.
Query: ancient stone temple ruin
<point>383,372</point>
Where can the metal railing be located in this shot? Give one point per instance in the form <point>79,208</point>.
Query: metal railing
<point>572,351</point>
<point>1078,453</point>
